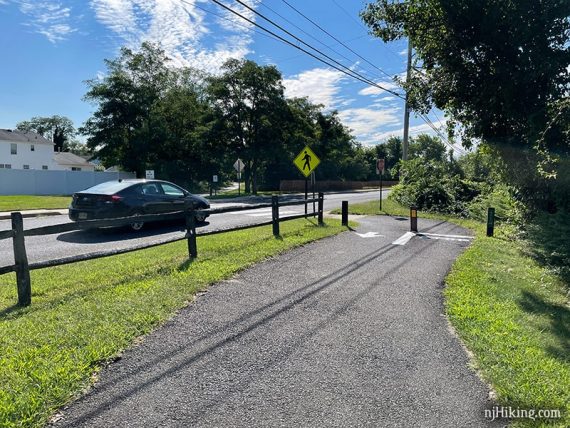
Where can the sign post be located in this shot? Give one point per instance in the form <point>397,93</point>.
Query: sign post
<point>306,161</point>
<point>238,166</point>
<point>380,163</point>
<point>215,184</point>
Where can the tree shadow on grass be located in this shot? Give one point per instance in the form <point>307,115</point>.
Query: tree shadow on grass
<point>549,238</point>
<point>558,323</point>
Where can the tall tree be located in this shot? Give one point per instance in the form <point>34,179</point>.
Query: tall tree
<point>428,147</point>
<point>498,68</point>
<point>123,130</point>
<point>58,129</point>
<point>250,102</point>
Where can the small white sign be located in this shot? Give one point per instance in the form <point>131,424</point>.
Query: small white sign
<point>215,179</point>
<point>150,174</point>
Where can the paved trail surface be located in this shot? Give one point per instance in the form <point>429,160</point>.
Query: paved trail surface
<point>348,331</point>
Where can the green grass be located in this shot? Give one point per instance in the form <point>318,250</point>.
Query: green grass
<point>84,314</point>
<point>233,193</point>
<point>514,315</point>
<point>29,202</point>
<point>509,300</point>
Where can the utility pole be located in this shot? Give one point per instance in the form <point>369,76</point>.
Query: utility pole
<point>405,143</point>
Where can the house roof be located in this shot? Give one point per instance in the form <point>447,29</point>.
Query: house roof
<point>67,158</point>
<point>16,136</point>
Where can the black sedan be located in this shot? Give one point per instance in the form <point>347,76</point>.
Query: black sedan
<point>126,198</point>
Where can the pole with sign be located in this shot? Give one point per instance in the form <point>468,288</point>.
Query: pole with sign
<point>380,163</point>
<point>215,184</point>
<point>306,161</point>
<point>238,166</point>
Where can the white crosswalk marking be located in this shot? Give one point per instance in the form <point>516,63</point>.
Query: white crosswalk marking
<point>405,238</point>
<point>434,235</point>
<point>264,212</point>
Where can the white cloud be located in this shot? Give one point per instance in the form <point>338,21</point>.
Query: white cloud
<point>415,130</point>
<point>49,18</point>
<point>403,52</point>
<point>367,122</point>
<point>374,90</point>
<point>179,27</point>
<point>320,85</point>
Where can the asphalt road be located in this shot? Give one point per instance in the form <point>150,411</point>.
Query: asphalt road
<point>50,247</point>
<point>348,331</point>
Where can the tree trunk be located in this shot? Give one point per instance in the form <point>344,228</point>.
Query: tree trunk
<point>246,181</point>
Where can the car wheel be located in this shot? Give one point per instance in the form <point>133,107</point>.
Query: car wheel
<point>137,225</point>
<point>200,218</point>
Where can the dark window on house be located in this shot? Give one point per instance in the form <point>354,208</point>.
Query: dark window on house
<point>14,148</point>
<point>1,165</point>
<point>44,167</point>
<point>75,168</point>
<point>8,166</point>
<point>33,148</point>
<point>26,166</point>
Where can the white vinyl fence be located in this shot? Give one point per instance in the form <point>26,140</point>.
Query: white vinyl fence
<point>41,182</point>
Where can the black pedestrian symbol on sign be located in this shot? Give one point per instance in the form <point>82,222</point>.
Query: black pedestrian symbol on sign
<point>307,159</point>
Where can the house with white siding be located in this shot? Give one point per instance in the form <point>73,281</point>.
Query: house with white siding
<point>26,150</point>
<point>72,162</point>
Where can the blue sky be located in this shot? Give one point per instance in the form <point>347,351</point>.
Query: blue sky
<point>51,47</point>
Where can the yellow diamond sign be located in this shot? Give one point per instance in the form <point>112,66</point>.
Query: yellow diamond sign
<point>306,161</point>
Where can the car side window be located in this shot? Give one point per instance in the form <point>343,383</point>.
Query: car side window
<point>132,191</point>
<point>151,189</point>
<point>172,190</point>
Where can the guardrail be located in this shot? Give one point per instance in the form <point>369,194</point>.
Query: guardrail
<point>23,268</point>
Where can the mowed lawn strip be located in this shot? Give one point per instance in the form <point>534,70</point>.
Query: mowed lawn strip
<point>512,313</point>
<point>84,314</point>
<point>29,202</point>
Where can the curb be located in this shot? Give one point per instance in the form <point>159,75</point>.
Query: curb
<point>29,214</point>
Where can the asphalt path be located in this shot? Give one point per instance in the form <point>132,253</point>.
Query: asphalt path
<point>53,247</point>
<point>348,331</point>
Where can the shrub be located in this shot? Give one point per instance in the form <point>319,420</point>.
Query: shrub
<point>434,186</point>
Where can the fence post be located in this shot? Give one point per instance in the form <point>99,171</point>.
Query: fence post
<point>344,215</point>
<point>413,218</point>
<point>320,208</point>
<point>191,231</point>
<point>21,259</point>
<point>275,214</point>
<point>490,221</point>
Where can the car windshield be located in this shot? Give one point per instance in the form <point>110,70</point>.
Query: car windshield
<point>108,188</point>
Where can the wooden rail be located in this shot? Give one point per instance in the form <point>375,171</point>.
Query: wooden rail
<point>23,268</point>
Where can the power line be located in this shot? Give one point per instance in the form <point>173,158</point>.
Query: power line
<point>314,38</point>
<point>359,23</point>
<point>333,37</point>
<point>428,121</point>
<point>306,44</point>
<point>230,20</point>
<point>350,73</point>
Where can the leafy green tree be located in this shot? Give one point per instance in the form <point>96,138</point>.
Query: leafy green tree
<point>58,129</point>
<point>123,129</point>
<point>250,104</point>
<point>498,68</point>
<point>428,147</point>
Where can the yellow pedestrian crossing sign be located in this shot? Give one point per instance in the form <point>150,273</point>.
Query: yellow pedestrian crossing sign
<point>306,161</point>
